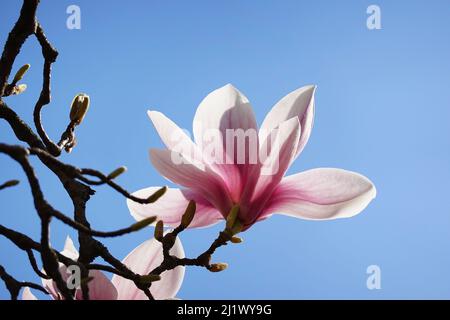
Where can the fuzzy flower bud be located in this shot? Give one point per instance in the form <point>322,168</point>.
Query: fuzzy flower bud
<point>20,73</point>
<point>218,267</point>
<point>79,108</point>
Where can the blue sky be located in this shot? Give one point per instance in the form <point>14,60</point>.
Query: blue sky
<point>382,109</point>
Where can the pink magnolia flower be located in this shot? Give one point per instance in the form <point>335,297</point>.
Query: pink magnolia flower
<point>259,188</point>
<point>141,260</point>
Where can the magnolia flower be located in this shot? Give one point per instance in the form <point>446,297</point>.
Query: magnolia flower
<point>141,260</point>
<point>259,188</point>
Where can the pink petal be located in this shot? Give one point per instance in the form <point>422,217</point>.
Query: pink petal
<point>299,103</point>
<point>187,174</point>
<point>143,260</point>
<point>227,112</point>
<point>322,194</point>
<point>51,286</point>
<point>28,295</point>
<point>100,288</point>
<point>281,153</point>
<point>170,207</point>
<point>174,137</point>
<point>70,252</point>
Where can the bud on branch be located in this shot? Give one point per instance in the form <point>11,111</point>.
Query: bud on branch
<point>236,240</point>
<point>158,194</point>
<point>116,173</point>
<point>9,184</point>
<point>149,278</point>
<point>218,267</point>
<point>188,215</point>
<point>143,223</point>
<point>20,73</point>
<point>159,231</point>
<point>79,108</point>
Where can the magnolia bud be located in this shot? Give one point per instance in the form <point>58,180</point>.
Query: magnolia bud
<point>236,240</point>
<point>116,173</point>
<point>142,224</point>
<point>149,278</point>
<point>159,230</point>
<point>79,108</point>
<point>188,215</point>
<point>19,75</point>
<point>156,195</point>
<point>217,267</point>
<point>10,183</point>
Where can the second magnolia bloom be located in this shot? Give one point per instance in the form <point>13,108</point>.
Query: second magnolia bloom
<point>142,260</point>
<point>323,193</point>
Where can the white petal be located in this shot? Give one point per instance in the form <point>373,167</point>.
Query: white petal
<point>280,149</point>
<point>225,116</point>
<point>28,295</point>
<point>322,194</point>
<point>143,260</point>
<point>281,152</point>
<point>69,249</point>
<point>171,206</point>
<point>224,108</point>
<point>174,137</point>
<point>299,103</point>
<point>100,287</point>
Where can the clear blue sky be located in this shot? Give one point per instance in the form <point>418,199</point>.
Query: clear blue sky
<point>382,109</point>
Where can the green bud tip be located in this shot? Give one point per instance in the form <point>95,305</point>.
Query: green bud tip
<point>117,172</point>
<point>156,195</point>
<point>20,73</point>
<point>79,108</point>
<point>143,223</point>
<point>188,215</point>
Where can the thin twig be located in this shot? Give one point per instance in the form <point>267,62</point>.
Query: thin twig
<point>75,182</point>
<point>15,286</point>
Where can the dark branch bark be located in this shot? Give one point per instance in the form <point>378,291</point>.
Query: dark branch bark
<point>15,286</point>
<point>24,27</point>
<point>75,181</point>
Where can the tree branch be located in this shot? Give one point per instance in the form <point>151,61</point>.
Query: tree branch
<point>15,286</point>
<point>24,27</point>
<point>76,183</point>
